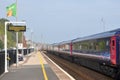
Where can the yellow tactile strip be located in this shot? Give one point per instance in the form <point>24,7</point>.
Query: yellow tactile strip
<point>42,65</point>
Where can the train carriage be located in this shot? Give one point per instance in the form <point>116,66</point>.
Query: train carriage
<point>100,52</point>
<point>106,45</point>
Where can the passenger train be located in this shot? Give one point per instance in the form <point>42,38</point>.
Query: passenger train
<point>100,52</point>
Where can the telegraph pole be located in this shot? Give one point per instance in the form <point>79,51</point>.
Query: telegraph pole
<point>103,23</point>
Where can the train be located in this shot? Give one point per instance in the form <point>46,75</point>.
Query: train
<point>100,52</point>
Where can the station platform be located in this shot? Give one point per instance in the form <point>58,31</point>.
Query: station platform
<point>34,67</point>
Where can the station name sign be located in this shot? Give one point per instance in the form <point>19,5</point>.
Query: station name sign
<point>16,28</point>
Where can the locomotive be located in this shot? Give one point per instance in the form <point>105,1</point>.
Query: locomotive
<point>100,52</point>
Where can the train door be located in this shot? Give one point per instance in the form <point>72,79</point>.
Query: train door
<point>71,48</point>
<point>113,50</point>
<point>118,50</point>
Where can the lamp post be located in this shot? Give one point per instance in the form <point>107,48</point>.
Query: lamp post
<point>23,41</point>
<point>31,37</point>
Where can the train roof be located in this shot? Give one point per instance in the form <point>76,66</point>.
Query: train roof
<point>55,44</point>
<point>99,35</point>
<point>61,43</point>
<point>65,42</point>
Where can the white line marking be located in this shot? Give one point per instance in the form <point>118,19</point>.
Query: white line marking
<point>60,68</point>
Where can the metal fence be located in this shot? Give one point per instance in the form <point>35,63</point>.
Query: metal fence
<point>12,57</point>
<point>2,62</point>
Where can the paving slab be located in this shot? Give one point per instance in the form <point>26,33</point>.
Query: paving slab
<point>30,69</point>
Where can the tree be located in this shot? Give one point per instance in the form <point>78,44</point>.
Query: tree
<point>1,45</point>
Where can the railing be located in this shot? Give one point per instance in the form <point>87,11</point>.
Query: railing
<point>12,57</point>
<point>2,62</point>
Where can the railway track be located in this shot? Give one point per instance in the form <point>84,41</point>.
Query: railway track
<point>77,71</point>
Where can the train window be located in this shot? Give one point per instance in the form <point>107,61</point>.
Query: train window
<point>113,43</point>
<point>107,43</point>
<point>80,47</point>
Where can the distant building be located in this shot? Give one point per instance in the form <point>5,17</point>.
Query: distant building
<point>29,43</point>
<point>24,42</point>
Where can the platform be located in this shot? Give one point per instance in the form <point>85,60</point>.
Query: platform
<point>33,68</point>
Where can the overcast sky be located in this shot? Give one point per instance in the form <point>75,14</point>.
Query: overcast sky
<point>60,20</point>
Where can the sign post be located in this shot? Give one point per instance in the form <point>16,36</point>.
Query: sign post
<point>15,28</point>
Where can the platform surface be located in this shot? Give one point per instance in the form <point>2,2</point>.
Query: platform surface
<point>34,67</point>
